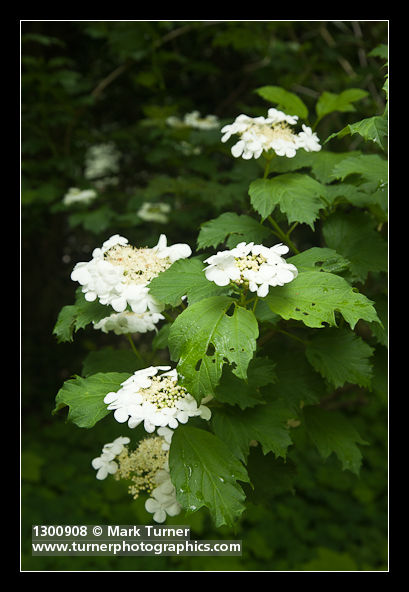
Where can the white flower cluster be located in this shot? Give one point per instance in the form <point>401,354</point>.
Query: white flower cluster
<point>147,468</point>
<point>194,120</point>
<point>75,195</point>
<point>255,266</point>
<point>154,212</point>
<point>261,134</point>
<point>105,464</point>
<point>122,323</point>
<point>156,400</point>
<point>100,160</point>
<point>119,274</point>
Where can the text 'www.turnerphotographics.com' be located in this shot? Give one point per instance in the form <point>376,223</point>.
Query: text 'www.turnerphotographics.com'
<point>90,540</point>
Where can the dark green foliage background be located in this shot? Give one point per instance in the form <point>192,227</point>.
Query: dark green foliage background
<point>94,82</point>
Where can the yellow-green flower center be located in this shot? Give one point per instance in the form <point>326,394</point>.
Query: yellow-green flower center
<point>140,265</point>
<point>141,465</point>
<point>252,262</point>
<point>273,132</point>
<point>163,392</point>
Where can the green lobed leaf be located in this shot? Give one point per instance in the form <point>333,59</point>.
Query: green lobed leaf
<point>371,129</point>
<point>380,51</point>
<point>314,296</point>
<point>85,397</point>
<point>372,167</point>
<point>330,102</point>
<point>204,337</point>
<point>319,259</point>
<point>298,196</point>
<point>231,226</point>
<point>332,432</point>
<point>205,473</point>
<point>285,100</point>
<point>76,316</point>
<point>321,163</point>
<point>297,388</point>
<point>65,325</point>
<point>184,277</point>
<point>352,234</point>
<point>246,393</point>
<point>267,424</point>
<point>364,195</point>
<point>340,356</point>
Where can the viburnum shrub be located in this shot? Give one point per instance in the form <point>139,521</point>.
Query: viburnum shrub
<point>253,333</point>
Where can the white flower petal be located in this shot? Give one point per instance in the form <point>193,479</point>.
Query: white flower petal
<point>238,148</point>
<point>159,516</point>
<point>121,415</point>
<point>152,505</point>
<point>174,509</point>
<point>205,412</point>
<point>262,290</point>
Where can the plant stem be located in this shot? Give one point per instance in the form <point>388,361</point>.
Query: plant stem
<point>292,336</point>
<point>267,336</point>
<point>242,301</point>
<point>135,351</point>
<point>316,122</point>
<point>267,167</point>
<point>284,237</point>
<point>292,228</point>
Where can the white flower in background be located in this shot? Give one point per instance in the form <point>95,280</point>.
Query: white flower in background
<point>105,464</point>
<point>126,322</point>
<point>101,160</point>
<point>194,120</point>
<point>156,400</point>
<point>147,467</point>
<point>174,121</point>
<point>261,134</point>
<point>75,195</point>
<point>255,266</point>
<point>154,212</point>
<point>119,274</point>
